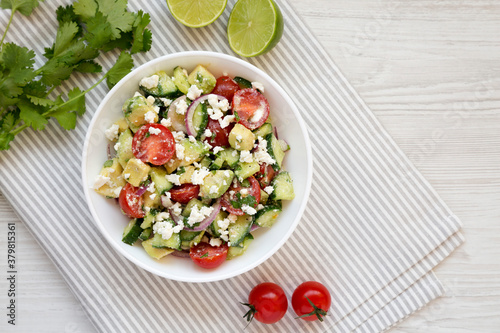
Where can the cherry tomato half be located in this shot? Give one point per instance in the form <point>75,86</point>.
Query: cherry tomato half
<point>226,87</point>
<point>184,193</point>
<point>307,293</point>
<point>220,136</point>
<point>208,256</point>
<point>152,146</point>
<point>130,202</point>
<point>251,107</point>
<point>235,189</point>
<point>267,302</point>
<point>265,175</point>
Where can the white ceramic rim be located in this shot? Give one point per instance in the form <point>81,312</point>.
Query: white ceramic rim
<point>309,161</point>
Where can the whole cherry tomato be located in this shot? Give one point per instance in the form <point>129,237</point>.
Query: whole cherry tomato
<point>311,301</point>
<point>267,302</point>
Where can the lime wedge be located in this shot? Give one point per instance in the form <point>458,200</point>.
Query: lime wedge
<point>196,13</point>
<point>254,27</point>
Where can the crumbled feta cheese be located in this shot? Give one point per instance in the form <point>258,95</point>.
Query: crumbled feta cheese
<point>154,131</point>
<point>167,122</point>
<point>117,146</point>
<point>198,214</point>
<point>194,92</point>
<point>244,191</point>
<point>126,176</point>
<point>269,189</point>
<point>179,151</point>
<point>208,132</point>
<point>178,136</point>
<point>150,117</point>
<point>100,181</point>
<point>227,173</point>
<point>234,153</point>
<point>217,149</point>
<point>261,155</point>
<point>156,109</point>
<point>260,206</point>
<point>173,178</point>
<point>224,183</point>
<point>239,138</point>
<point>150,100</point>
<point>151,187</point>
<point>152,196</point>
<point>216,242</point>
<point>199,175</point>
<point>165,200</point>
<point>176,209</point>
<point>207,145</point>
<point>226,121</point>
<point>165,101</point>
<point>249,210</point>
<point>258,86</point>
<point>165,227</point>
<point>192,139</point>
<point>150,82</point>
<point>112,132</point>
<point>246,156</point>
<point>232,218</point>
<point>214,102</point>
<point>213,189</point>
<point>181,107</point>
<point>215,113</point>
<point>137,94</point>
<point>117,191</point>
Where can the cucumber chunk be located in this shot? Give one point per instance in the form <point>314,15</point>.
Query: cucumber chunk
<point>165,88</point>
<point>242,82</point>
<point>267,216</point>
<point>275,151</point>
<point>153,251</point>
<point>132,231</point>
<point>235,251</point>
<point>190,205</point>
<point>200,119</point>
<point>264,130</point>
<point>124,152</point>
<point>245,170</point>
<point>282,187</point>
<point>239,229</point>
<point>174,242</point>
<point>214,227</point>
<point>158,175</point>
<point>146,233</point>
<point>181,79</point>
<point>193,152</point>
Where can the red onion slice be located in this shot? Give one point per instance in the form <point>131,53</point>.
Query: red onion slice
<point>178,120</point>
<point>284,145</point>
<point>209,219</point>
<point>254,227</point>
<point>177,218</point>
<point>275,131</point>
<point>142,190</point>
<point>192,108</point>
<point>180,254</point>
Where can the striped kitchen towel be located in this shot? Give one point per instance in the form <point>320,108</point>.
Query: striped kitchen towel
<point>372,232</point>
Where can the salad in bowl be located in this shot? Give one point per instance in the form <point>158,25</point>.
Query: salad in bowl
<point>197,159</point>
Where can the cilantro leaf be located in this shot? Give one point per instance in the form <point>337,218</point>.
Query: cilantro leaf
<point>88,67</point>
<point>17,62</point>
<point>31,114</point>
<point>142,36</point>
<point>122,67</point>
<point>85,8</point>
<point>25,7</point>
<point>7,122</point>
<point>99,31</point>
<point>65,36</point>
<point>117,15</point>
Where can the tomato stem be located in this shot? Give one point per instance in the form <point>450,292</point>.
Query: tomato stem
<point>250,313</point>
<point>316,311</point>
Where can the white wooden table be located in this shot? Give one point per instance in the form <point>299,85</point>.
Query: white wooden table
<point>430,70</point>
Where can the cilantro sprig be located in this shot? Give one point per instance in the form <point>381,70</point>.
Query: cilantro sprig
<point>86,29</point>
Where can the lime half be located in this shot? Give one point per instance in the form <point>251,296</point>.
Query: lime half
<point>254,27</point>
<point>196,13</point>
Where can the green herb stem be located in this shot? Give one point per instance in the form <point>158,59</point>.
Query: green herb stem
<point>7,28</point>
<point>47,114</point>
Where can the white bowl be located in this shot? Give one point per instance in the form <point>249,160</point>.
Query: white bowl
<point>298,161</point>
